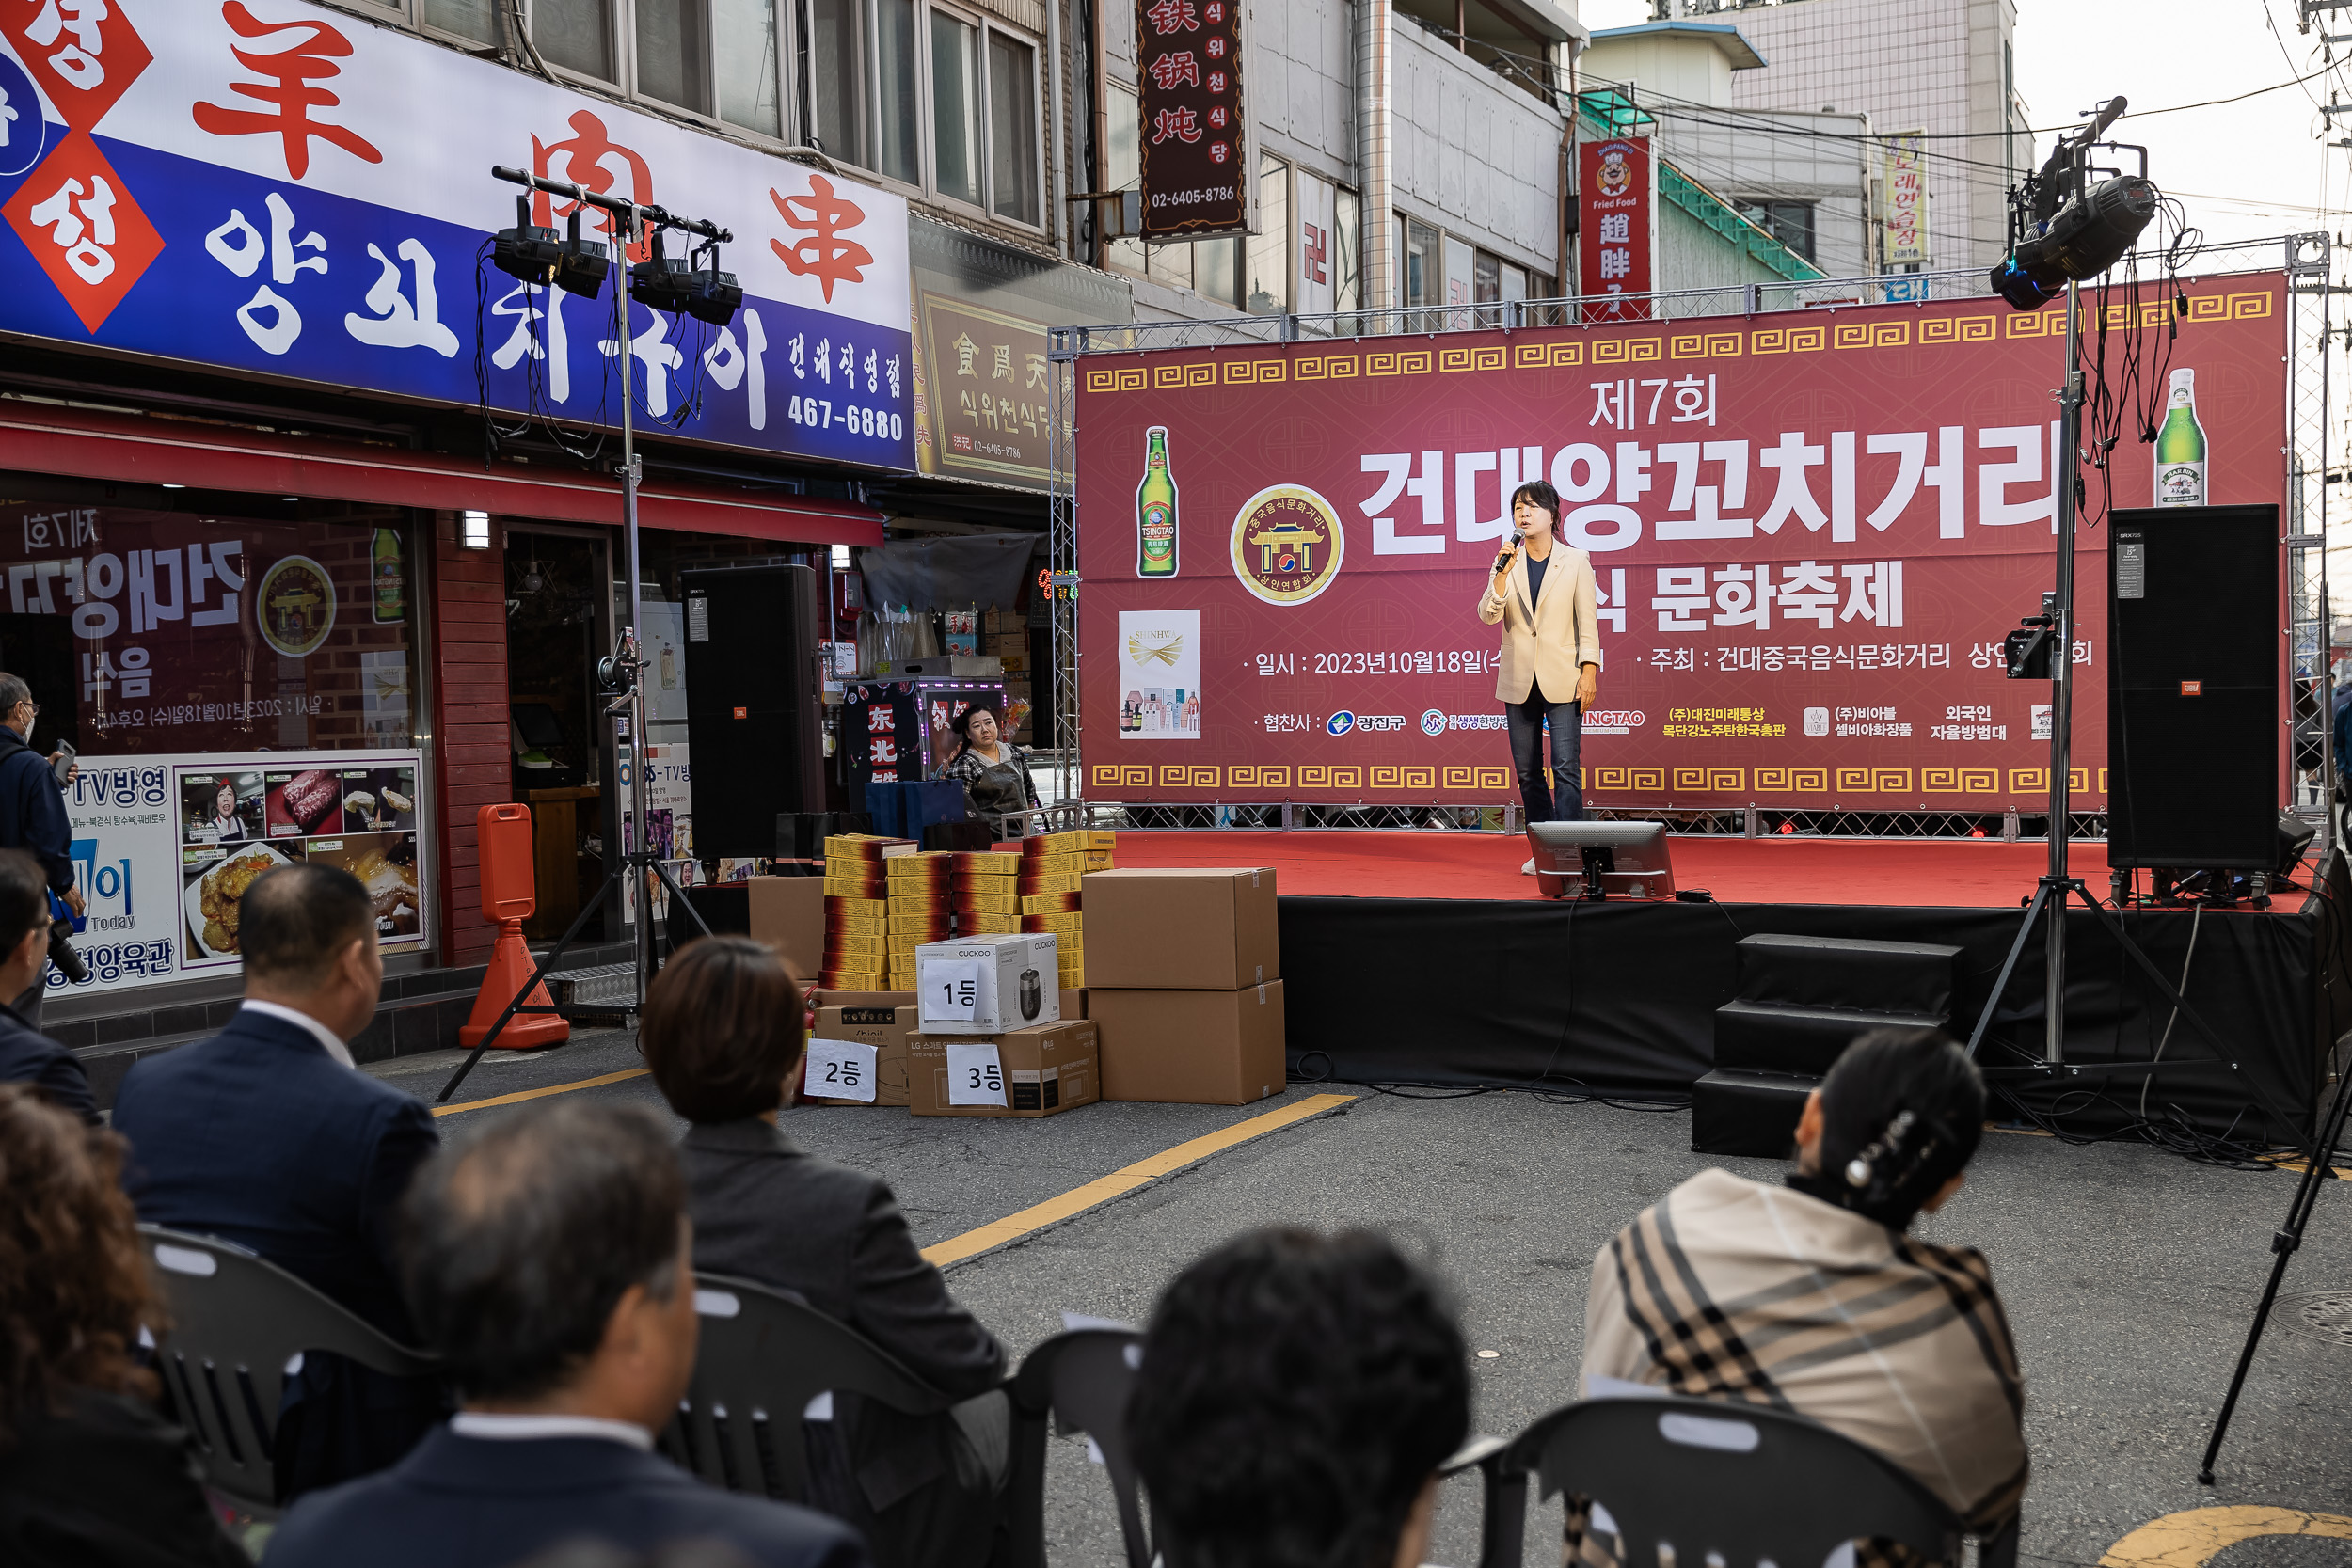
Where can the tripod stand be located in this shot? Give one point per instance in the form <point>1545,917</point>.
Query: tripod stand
<point>2285,1243</point>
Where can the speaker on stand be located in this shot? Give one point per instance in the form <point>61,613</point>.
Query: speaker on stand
<point>2195,660</point>
<point>753,701</point>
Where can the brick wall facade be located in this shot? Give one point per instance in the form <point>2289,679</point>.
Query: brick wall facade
<point>472,760</point>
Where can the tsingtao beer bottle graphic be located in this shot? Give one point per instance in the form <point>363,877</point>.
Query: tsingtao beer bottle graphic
<point>2181,446</point>
<point>1155,511</point>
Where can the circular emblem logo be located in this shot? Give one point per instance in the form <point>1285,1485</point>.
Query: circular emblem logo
<point>1287,545</point>
<point>1433,721</point>
<point>295,606</point>
<point>1616,176</point>
<point>1340,723</point>
<point>28,133</point>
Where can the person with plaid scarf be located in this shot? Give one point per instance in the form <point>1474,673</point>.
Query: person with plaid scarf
<point>1812,1298</point>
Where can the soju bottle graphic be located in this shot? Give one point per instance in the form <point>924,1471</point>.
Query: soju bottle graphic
<point>1155,511</point>
<point>2181,446</point>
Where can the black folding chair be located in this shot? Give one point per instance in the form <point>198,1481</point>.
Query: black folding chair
<point>1711,1481</point>
<point>765,1354</point>
<point>239,1326</point>
<point>1079,1381</point>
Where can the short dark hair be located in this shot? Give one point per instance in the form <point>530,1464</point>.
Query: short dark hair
<point>23,896</point>
<point>294,919</point>
<point>1538,493</point>
<point>516,1244</point>
<point>722,1028</point>
<point>12,691</point>
<point>962,723</point>
<point>1297,1392</point>
<point>1904,1110</point>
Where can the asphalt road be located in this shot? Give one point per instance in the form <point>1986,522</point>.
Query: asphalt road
<point>2129,1274</point>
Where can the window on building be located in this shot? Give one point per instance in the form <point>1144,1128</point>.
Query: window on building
<point>1268,251</point>
<point>956,107</point>
<point>744,51</point>
<point>897,66</point>
<point>1012,127</point>
<point>1422,279</point>
<point>576,35</point>
<point>478,20</point>
<point>1122,165</point>
<point>673,52</point>
<point>1217,269</point>
<point>1213,267</point>
<point>1790,222</point>
<point>836,98</point>
<point>1347,247</point>
<point>1486,278</point>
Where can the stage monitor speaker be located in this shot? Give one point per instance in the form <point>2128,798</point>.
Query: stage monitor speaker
<point>753,703</point>
<point>2194,664</point>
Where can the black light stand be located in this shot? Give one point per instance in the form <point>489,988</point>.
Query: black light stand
<point>2063,232</point>
<point>619,672</point>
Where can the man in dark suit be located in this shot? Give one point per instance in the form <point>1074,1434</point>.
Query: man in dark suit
<point>266,1135</point>
<point>549,1260</point>
<point>26,1054</point>
<point>32,813</point>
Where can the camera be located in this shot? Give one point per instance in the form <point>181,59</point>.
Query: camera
<point>61,953</point>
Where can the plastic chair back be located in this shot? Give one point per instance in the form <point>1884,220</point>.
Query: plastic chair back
<point>1079,1380</point>
<point>239,1325</point>
<point>1717,1482</point>
<point>765,1354</point>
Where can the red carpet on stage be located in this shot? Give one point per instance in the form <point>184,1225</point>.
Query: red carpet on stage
<point>1926,873</point>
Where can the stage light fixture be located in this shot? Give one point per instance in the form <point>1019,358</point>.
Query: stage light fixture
<point>583,266</point>
<point>2086,237</point>
<point>712,295</point>
<point>527,253</point>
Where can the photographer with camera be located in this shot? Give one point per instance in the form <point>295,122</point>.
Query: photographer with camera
<point>33,818</point>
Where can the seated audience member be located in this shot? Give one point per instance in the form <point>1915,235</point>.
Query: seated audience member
<point>722,1034</point>
<point>549,1260</point>
<point>1298,1393</point>
<point>26,1054</point>
<point>1811,1296</point>
<point>266,1135</point>
<point>90,1476</point>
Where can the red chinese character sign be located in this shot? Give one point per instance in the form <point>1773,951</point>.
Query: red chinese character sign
<point>1617,239</point>
<point>1194,163</point>
<point>1810,532</point>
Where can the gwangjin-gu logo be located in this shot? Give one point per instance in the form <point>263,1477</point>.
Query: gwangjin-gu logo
<point>1340,723</point>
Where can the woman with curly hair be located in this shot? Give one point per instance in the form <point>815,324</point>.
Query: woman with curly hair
<point>90,1474</point>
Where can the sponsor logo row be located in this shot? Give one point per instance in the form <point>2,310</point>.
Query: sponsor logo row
<point>1436,721</point>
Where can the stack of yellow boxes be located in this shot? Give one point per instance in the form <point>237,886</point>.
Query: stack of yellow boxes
<point>987,893</point>
<point>1052,867</point>
<point>857,927</point>
<point>921,910</point>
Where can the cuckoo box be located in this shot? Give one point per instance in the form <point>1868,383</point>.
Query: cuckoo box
<point>1191,1047</point>
<point>885,1029</point>
<point>1021,1072</point>
<point>1169,929</point>
<point>984,984</point>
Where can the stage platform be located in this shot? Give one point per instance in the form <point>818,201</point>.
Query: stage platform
<point>1426,958</point>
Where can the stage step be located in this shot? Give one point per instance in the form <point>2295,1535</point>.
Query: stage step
<point>1738,1112</point>
<point>1847,972</point>
<point>1773,1037</point>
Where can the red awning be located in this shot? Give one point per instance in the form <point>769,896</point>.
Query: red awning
<point>133,449</point>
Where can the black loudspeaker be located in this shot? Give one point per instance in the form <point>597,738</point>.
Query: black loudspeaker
<point>2194,664</point>
<point>751,702</point>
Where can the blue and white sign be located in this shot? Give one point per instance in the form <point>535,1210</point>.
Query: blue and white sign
<point>268,186</point>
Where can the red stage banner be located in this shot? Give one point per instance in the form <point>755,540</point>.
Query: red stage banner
<point>1811,532</point>
<point>1616,246</point>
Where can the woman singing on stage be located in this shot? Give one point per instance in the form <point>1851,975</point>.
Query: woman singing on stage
<point>1542,593</point>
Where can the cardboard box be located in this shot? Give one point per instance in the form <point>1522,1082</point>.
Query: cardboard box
<point>858,881</point>
<point>971,923</point>
<point>1066,881</point>
<point>987,903</point>
<point>885,1028</point>
<point>1191,1047</point>
<point>827,997</point>
<point>1169,929</point>
<point>1045,1069</point>
<point>788,915</point>
<point>867,846</point>
<point>1073,1003</point>
<point>985,864</point>
<point>1074,841</point>
<point>992,983</point>
<point>1051,903</point>
<point>852,982</point>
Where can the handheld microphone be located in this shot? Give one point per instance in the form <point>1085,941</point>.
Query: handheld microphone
<point>1502,561</point>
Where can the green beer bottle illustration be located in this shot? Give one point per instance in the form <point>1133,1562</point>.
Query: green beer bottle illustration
<point>2181,446</point>
<point>1155,511</point>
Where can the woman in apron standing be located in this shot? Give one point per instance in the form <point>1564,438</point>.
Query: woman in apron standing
<point>994,771</point>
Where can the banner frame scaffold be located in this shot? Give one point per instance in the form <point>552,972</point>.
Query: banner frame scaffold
<point>2304,258</point>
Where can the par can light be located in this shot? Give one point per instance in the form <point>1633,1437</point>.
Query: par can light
<point>584,263</point>
<point>527,253</point>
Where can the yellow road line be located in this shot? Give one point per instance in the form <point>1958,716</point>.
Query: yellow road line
<point>1127,1179</point>
<point>521,1095</point>
<point>2194,1538</point>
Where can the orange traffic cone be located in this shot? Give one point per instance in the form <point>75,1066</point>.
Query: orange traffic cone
<point>508,896</point>
<point>511,965</point>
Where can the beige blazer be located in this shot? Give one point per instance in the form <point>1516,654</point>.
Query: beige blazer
<point>1545,641</point>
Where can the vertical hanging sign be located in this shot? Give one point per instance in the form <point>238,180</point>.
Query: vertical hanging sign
<point>1195,164</point>
<point>1617,232</point>
<point>1903,199</point>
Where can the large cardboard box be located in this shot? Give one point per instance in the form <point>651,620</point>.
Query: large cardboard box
<point>1181,929</point>
<point>1191,1047</point>
<point>1073,1003</point>
<point>885,1028</point>
<point>788,915</point>
<point>984,984</point>
<point>1041,1070</point>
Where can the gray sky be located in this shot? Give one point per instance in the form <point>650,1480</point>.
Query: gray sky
<point>2247,169</point>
